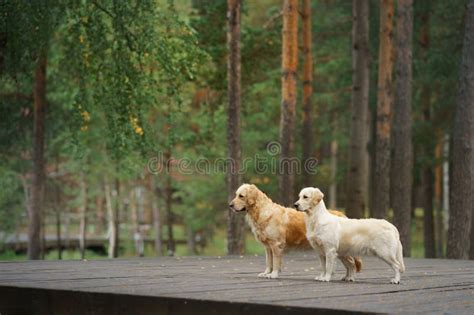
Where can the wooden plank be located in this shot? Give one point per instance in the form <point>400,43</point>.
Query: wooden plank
<point>230,284</point>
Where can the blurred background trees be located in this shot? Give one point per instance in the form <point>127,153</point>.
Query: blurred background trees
<point>102,101</point>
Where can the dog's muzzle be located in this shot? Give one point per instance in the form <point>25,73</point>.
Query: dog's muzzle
<point>297,207</point>
<point>231,206</point>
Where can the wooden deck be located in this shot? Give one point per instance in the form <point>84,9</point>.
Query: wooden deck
<point>228,285</point>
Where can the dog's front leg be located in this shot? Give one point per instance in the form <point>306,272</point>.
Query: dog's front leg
<point>277,251</point>
<point>322,261</point>
<point>330,261</point>
<point>269,261</point>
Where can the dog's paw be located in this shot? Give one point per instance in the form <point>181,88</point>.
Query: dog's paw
<point>272,275</point>
<point>348,279</point>
<point>325,278</point>
<point>320,277</point>
<point>394,281</point>
<point>263,274</point>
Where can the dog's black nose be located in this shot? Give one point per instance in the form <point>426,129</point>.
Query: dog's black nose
<point>296,205</point>
<point>230,205</point>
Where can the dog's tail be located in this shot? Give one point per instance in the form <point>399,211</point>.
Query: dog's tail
<point>400,256</point>
<point>358,263</point>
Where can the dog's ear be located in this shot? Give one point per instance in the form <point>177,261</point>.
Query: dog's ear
<point>252,194</point>
<point>317,195</point>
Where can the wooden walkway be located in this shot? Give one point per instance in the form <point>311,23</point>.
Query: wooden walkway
<point>96,243</point>
<point>228,285</point>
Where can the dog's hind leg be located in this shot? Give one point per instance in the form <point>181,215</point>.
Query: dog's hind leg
<point>269,262</point>
<point>393,263</point>
<point>396,267</point>
<point>348,262</point>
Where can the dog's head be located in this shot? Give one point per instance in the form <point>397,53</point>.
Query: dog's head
<point>245,197</point>
<point>309,198</point>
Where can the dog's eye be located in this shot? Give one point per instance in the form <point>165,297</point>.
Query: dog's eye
<point>241,196</point>
<point>305,197</point>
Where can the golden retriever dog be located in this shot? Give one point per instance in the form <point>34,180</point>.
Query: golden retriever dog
<point>335,236</point>
<point>276,227</point>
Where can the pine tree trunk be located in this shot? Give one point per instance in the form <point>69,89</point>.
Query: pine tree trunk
<point>58,223</point>
<point>112,232</point>
<point>471,251</point>
<point>26,193</point>
<point>43,233</point>
<point>357,183</point>
<point>190,240</point>
<point>137,235</point>
<point>83,216</point>
<point>384,106</point>
<point>36,200</point>
<point>439,231</point>
<point>67,226</point>
<point>99,204</point>
<point>428,217</point>
<point>446,154</point>
<point>168,205</point>
<point>462,179</point>
<point>426,182</point>
<point>288,104</point>
<point>307,130</point>
<point>154,194</point>
<point>333,185</point>
<point>425,151</point>
<point>235,229</point>
<point>118,206</point>
<point>57,209</point>
<point>372,136</point>
<point>402,162</point>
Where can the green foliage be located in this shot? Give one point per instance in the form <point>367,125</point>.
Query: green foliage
<point>11,201</point>
<point>209,21</point>
<point>436,73</point>
<point>131,56</point>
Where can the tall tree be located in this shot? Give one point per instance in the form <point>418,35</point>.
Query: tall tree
<point>333,177</point>
<point>402,160</point>
<point>36,200</point>
<point>235,231</point>
<point>307,133</point>
<point>288,104</point>
<point>135,192</point>
<point>169,203</point>
<point>83,214</point>
<point>111,216</point>
<point>384,106</point>
<point>462,179</point>
<point>153,197</point>
<point>424,150</point>
<point>438,176</point>
<point>427,194</point>
<point>357,179</point>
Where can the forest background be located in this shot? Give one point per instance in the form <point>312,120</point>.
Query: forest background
<point>103,102</point>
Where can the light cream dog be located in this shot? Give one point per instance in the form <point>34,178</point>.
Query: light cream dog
<point>335,236</point>
<point>276,227</point>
